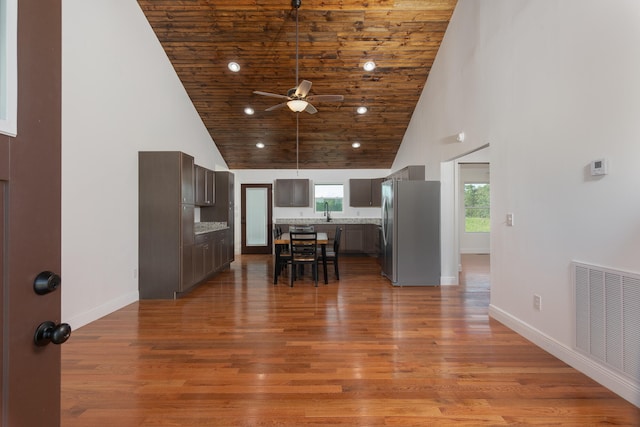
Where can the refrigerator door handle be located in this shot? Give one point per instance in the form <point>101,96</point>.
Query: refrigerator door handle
<point>385,215</point>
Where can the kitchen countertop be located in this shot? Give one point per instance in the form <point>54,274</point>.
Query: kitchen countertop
<point>322,220</point>
<point>207,227</point>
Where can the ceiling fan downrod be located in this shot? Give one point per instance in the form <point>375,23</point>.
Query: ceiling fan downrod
<point>296,4</point>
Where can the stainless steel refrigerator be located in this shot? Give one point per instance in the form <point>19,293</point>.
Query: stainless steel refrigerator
<point>411,232</point>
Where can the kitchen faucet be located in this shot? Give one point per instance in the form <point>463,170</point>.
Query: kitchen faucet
<point>326,211</point>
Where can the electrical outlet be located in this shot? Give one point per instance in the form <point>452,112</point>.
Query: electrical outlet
<point>537,302</point>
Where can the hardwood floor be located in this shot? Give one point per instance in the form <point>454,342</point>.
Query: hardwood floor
<point>239,351</point>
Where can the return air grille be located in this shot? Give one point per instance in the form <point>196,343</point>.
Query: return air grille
<point>608,317</point>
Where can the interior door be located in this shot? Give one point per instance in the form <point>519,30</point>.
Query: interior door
<point>256,218</point>
<point>30,198</point>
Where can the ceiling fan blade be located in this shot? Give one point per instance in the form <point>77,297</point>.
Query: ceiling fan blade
<point>275,107</point>
<point>325,98</point>
<point>273,95</point>
<point>303,89</point>
<point>310,109</point>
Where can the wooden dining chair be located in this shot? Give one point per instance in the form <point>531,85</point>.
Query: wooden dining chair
<point>332,254</point>
<point>282,257</point>
<point>303,247</point>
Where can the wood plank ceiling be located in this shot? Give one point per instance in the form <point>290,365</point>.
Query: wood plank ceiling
<point>336,38</point>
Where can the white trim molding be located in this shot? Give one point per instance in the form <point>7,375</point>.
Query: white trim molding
<point>612,380</point>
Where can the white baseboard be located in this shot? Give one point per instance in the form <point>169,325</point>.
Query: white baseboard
<point>448,280</point>
<point>109,307</point>
<point>615,382</point>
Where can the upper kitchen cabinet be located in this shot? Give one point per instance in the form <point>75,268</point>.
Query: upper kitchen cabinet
<point>409,173</point>
<point>292,193</point>
<point>223,210</point>
<point>204,186</point>
<point>165,223</point>
<point>365,193</point>
<point>186,176</point>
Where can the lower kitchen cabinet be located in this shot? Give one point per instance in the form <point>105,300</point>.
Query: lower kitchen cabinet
<point>356,238</point>
<point>211,254</point>
<point>372,239</point>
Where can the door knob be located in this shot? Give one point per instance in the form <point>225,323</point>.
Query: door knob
<point>46,282</point>
<point>50,332</point>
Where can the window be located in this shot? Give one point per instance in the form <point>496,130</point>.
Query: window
<point>332,194</point>
<point>476,207</point>
<point>8,67</point>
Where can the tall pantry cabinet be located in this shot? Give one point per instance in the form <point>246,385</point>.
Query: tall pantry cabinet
<point>166,223</point>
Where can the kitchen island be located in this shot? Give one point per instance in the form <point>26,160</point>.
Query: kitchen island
<point>360,236</point>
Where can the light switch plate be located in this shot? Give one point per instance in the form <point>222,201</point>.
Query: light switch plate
<point>510,219</point>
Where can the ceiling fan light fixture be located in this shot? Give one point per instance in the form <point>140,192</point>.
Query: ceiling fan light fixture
<point>260,145</point>
<point>234,66</point>
<point>362,109</point>
<point>297,105</point>
<point>249,111</point>
<point>355,145</point>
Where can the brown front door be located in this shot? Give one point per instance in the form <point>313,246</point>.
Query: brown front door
<point>256,214</point>
<point>30,222</point>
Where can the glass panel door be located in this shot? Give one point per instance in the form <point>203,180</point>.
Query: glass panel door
<point>257,217</point>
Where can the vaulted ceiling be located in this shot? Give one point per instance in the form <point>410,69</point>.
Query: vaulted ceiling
<point>336,38</point>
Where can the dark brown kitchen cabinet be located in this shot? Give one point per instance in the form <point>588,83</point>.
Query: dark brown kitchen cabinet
<point>365,192</point>
<point>203,257</point>
<point>292,193</point>
<point>409,173</point>
<point>204,186</point>
<point>372,239</point>
<point>165,224</point>
<point>353,238</point>
<point>186,178</point>
<point>221,247</point>
<point>223,211</point>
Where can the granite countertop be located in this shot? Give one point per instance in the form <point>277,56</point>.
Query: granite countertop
<point>207,227</point>
<point>323,220</point>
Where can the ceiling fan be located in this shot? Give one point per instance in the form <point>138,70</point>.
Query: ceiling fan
<point>298,98</point>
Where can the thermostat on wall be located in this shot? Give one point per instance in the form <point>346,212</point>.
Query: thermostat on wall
<point>599,167</point>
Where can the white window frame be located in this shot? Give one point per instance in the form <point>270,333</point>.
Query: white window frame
<point>9,67</point>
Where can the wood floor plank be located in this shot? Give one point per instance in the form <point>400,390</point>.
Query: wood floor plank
<point>239,351</point>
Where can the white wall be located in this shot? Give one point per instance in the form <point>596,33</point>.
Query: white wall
<point>551,86</point>
<point>120,95</point>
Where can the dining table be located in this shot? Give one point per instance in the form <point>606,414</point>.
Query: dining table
<point>284,239</point>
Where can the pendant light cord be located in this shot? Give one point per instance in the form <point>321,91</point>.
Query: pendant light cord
<point>297,114</point>
<point>296,5</point>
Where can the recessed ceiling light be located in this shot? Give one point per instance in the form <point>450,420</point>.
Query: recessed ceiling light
<point>362,109</point>
<point>369,66</point>
<point>260,145</point>
<point>249,111</point>
<point>234,66</point>
<point>356,145</point>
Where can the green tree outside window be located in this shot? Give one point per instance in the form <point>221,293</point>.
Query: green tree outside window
<point>476,206</point>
